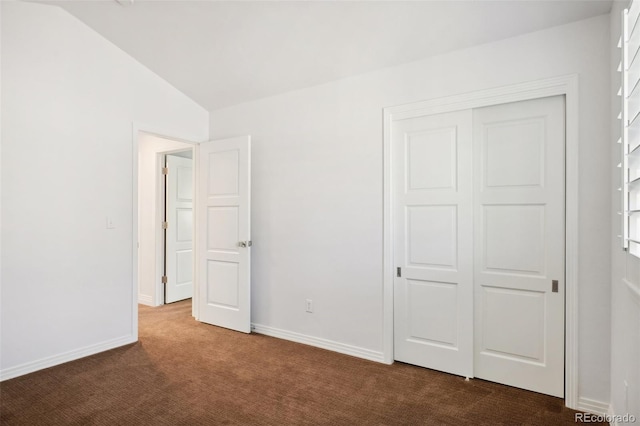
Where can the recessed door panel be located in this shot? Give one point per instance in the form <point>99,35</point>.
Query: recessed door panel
<point>432,313</point>
<point>513,324</point>
<point>432,236</point>
<point>184,225</point>
<point>431,159</point>
<point>514,238</point>
<point>222,284</point>
<point>223,168</point>
<point>184,260</point>
<point>514,153</point>
<point>185,183</point>
<point>222,228</point>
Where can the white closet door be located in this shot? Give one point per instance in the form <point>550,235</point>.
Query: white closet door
<point>224,233</point>
<point>433,294</point>
<point>519,244</point>
<point>179,236</point>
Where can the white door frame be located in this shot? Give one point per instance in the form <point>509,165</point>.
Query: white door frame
<point>137,128</point>
<point>563,85</point>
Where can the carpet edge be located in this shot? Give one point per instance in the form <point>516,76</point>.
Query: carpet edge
<point>50,361</point>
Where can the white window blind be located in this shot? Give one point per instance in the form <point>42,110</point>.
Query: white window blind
<point>630,132</point>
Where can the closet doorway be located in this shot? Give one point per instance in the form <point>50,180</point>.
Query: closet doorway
<point>478,277</point>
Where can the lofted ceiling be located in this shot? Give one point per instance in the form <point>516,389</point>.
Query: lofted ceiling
<point>222,53</point>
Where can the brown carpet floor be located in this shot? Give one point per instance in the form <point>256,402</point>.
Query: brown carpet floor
<point>182,372</point>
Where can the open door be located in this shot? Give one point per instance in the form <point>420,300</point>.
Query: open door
<point>179,229</point>
<point>224,233</point>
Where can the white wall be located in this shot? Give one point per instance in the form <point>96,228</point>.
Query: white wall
<point>149,230</point>
<point>69,98</point>
<point>317,186</point>
<point>625,282</point>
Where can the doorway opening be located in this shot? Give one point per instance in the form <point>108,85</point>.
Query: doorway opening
<point>164,223</point>
<point>479,243</point>
<point>219,252</point>
<point>566,86</point>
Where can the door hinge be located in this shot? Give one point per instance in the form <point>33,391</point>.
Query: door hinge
<point>398,272</point>
<point>165,225</point>
<point>164,279</point>
<point>165,170</point>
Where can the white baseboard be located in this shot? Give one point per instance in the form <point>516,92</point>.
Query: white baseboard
<point>594,407</point>
<point>145,299</point>
<point>611,414</point>
<point>319,343</point>
<point>30,367</point>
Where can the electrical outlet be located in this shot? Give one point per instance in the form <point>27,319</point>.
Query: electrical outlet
<point>309,305</point>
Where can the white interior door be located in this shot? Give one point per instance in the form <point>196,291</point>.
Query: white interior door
<point>179,233</point>
<point>519,244</point>
<point>224,233</point>
<point>433,229</point>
